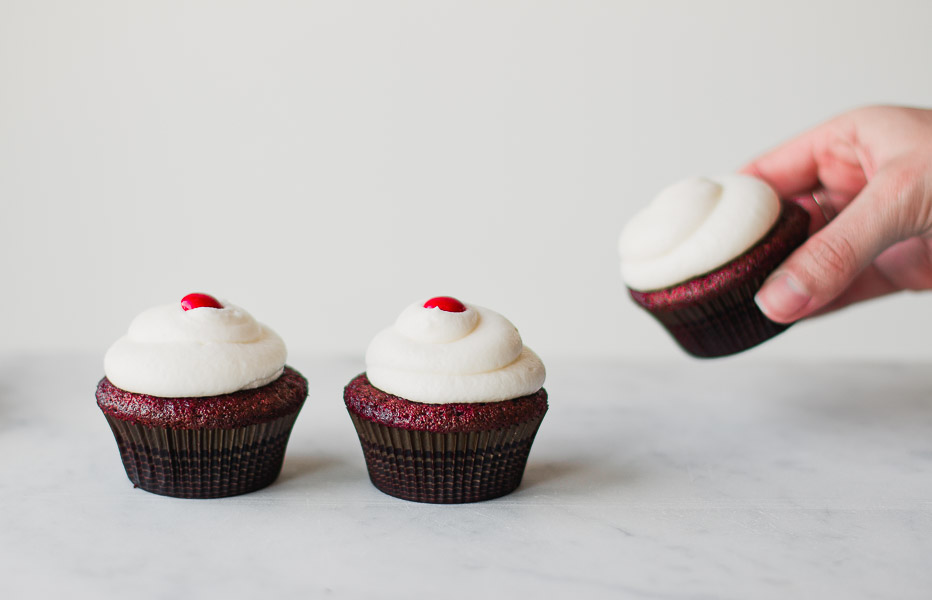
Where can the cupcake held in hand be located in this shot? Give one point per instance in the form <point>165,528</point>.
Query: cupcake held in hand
<point>696,256</point>
<point>449,405</point>
<point>200,400</point>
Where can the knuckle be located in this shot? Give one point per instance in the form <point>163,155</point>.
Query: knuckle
<point>904,178</point>
<point>833,256</point>
<point>868,110</point>
<point>872,113</point>
<point>905,200</point>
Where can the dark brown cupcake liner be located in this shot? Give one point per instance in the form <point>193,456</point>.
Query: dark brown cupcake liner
<point>722,325</point>
<point>202,463</point>
<point>446,468</point>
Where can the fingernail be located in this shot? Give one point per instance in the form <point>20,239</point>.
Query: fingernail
<point>781,297</point>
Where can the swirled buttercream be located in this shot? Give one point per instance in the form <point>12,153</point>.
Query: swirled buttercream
<point>433,356</point>
<point>693,227</point>
<point>172,352</point>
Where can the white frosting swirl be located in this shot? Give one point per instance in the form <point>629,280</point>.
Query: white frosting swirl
<point>171,352</point>
<point>693,227</point>
<point>433,356</point>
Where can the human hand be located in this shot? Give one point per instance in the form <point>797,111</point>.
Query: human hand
<point>872,167</point>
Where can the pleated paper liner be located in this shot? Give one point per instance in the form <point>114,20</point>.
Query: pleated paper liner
<point>723,325</point>
<point>202,463</point>
<point>446,468</point>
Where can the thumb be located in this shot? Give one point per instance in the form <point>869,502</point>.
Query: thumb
<point>826,264</point>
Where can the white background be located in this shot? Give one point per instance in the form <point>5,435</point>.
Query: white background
<point>323,164</point>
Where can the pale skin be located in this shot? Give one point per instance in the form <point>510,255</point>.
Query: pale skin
<point>872,167</point>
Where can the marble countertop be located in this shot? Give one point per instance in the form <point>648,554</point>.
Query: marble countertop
<point>724,479</point>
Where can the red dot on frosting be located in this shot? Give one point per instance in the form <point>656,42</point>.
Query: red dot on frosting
<point>445,303</point>
<point>199,301</point>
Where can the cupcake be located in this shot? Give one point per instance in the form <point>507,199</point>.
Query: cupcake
<point>449,404</point>
<point>696,256</point>
<point>200,400</point>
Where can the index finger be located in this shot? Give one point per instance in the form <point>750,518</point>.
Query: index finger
<point>790,168</point>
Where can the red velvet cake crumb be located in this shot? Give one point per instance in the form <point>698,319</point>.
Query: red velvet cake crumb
<point>281,397</point>
<point>371,403</point>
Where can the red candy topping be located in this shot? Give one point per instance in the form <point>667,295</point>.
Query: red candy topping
<point>445,303</point>
<point>199,301</point>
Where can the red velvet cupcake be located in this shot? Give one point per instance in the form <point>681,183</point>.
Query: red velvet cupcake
<point>695,258</point>
<point>449,406</point>
<point>199,400</point>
